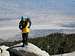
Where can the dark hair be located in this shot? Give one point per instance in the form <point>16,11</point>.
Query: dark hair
<point>28,19</point>
<point>22,18</point>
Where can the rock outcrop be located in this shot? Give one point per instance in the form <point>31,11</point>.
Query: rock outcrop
<point>3,51</point>
<point>18,50</point>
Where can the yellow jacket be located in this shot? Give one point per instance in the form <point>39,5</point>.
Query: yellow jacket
<point>26,29</point>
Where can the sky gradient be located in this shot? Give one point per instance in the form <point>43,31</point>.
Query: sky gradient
<point>41,12</point>
<point>44,14</point>
<point>14,8</point>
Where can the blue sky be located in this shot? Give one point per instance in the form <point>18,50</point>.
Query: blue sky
<point>45,12</point>
<point>13,8</point>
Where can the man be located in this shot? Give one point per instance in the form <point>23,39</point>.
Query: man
<point>24,26</point>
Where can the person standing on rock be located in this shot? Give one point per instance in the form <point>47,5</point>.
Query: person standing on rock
<point>24,26</point>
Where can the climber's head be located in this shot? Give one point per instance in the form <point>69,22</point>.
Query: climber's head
<point>23,18</point>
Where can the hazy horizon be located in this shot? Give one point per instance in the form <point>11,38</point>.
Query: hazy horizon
<point>44,14</point>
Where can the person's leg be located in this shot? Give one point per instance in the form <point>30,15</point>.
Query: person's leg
<point>23,38</point>
<point>26,39</point>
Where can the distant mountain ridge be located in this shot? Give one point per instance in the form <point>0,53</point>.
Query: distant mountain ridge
<point>55,43</point>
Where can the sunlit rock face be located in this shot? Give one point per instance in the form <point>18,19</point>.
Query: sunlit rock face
<point>3,51</point>
<point>30,48</point>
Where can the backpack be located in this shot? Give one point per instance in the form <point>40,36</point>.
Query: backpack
<point>23,24</point>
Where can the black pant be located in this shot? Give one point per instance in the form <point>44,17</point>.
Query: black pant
<point>25,38</point>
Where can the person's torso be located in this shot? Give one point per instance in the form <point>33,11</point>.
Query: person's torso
<point>26,29</point>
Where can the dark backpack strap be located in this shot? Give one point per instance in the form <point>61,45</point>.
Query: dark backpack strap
<point>29,24</point>
<point>21,25</point>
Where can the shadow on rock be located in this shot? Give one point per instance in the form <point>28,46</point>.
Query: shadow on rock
<point>14,52</point>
